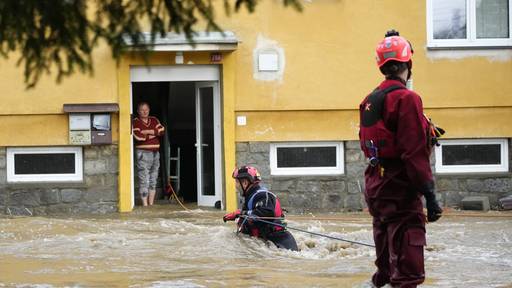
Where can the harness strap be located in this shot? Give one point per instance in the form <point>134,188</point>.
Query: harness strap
<point>392,88</point>
<point>250,206</point>
<point>251,200</point>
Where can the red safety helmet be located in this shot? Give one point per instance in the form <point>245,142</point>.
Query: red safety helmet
<point>393,47</point>
<point>247,172</point>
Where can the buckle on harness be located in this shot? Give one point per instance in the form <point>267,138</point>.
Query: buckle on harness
<point>374,153</point>
<point>374,161</point>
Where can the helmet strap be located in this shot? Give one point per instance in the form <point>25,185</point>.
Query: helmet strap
<point>409,69</point>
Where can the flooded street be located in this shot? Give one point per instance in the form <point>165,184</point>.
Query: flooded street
<point>162,247</point>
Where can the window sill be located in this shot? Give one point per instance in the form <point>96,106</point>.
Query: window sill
<point>59,185</point>
<point>473,174</point>
<point>469,47</point>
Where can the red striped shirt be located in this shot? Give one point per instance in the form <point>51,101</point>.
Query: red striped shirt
<point>147,142</point>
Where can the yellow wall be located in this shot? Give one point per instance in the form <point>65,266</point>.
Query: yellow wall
<point>37,114</point>
<point>329,67</point>
<point>40,130</point>
<point>48,97</point>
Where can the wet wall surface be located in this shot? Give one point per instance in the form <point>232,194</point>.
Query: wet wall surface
<point>165,247</point>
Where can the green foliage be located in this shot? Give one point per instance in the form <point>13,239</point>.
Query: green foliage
<point>61,34</point>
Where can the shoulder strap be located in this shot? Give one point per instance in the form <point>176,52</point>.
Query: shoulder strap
<point>392,88</point>
<point>251,200</point>
<point>373,107</point>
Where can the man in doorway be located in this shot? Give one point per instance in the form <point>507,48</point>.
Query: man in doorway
<point>147,131</point>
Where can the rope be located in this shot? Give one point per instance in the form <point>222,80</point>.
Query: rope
<point>305,231</point>
<point>173,195</point>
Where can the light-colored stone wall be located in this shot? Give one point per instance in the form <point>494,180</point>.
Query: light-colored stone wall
<point>451,189</point>
<point>304,194</point>
<point>96,194</point>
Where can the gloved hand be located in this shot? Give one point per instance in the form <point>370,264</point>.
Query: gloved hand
<point>433,210</point>
<point>435,132</point>
<point>231,216</point>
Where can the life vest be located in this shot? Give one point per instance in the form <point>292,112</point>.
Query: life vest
<point>376,139</point>
<point>278,212</point>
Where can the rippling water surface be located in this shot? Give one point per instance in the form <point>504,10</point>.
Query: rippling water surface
<point>164,247</point>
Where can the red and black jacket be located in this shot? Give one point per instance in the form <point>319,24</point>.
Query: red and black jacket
<point>399,130</point>
<point>260,202</point>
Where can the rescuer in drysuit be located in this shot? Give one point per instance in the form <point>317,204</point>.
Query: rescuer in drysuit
<point>397,138</point>
<point>259,203</point>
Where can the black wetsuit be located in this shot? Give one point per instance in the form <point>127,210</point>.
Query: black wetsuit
<point>262,203</point>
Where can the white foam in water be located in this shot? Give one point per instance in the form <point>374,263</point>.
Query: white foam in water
<point>36,286</point>
<point>199,250</point>
<point>175,284</point>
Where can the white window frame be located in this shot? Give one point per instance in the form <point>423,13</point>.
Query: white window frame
<point>450,169</point>
<point>471,40</point>
<point>76,177</point>
<point>338,170</point>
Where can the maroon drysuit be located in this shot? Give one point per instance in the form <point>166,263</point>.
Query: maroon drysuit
<point>394,188</point>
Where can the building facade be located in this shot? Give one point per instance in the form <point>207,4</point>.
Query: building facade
<point>279,91</point>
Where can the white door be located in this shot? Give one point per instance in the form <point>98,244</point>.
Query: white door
<point>208,143</point>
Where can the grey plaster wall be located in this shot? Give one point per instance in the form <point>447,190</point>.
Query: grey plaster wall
<point>96,194</point>
<point>304,194</point>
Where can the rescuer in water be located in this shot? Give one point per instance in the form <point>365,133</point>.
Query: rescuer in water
<point>259,203</point>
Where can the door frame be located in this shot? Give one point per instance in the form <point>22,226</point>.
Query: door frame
<point>205,200</point>
<point>182,73</point>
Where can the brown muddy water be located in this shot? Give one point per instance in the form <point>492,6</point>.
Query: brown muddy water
<point>165,247</point>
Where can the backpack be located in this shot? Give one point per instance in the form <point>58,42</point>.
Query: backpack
<point>376,139</point>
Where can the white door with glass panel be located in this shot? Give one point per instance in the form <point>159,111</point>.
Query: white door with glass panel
<point>208,143</point>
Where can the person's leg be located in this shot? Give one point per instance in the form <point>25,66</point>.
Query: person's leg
<point>143,175</point>
<point>283,239</point>
<point>407,255</point>
<point>380,237</point>
<point>151,197</point>
<point>153,177</point>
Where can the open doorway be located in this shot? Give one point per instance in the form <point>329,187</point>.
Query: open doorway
<point>173,103</point>
<point>190,148</point>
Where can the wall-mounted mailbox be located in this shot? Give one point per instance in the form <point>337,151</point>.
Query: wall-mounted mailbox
<point>90,124</point>
<point>80,128</point>
<point>101,131</point>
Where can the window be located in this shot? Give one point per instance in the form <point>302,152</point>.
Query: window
<point>306,158</point>
<point>472,156</point>
<point>469,23</point>
<point>44,164</point>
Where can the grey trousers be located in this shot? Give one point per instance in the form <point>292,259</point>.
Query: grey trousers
<point>148,163</point>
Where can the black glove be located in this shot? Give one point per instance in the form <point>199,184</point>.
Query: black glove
<point>433,210</point>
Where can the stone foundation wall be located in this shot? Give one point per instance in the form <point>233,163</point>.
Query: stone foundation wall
<point>304,194</point>
<point>451,189</point>
<point>98,192</point>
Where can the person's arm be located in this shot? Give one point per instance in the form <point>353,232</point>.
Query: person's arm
<point>159,128</point>
<point>412,141</point>
<point>137,132</point>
